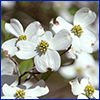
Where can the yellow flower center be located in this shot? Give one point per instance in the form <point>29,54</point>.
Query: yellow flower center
<point>20,94</point>
<point>77,30</point>
<point>22,37</point>
<point>43,46</point>
<point>89,90</point>
<point>79,70</point>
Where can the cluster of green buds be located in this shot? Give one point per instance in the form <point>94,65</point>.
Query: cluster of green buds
<point>89,90</point>
<point>20,94</point>
<point>43,46</point>
<point>77,30</point>
<point>22,37</point>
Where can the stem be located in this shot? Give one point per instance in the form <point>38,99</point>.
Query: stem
<point>88,96</point>
<point>66,50</point>
<point>28,71</point>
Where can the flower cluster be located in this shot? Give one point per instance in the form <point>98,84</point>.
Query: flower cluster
<point>45,48</point>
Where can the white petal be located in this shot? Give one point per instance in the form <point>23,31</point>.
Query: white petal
<point>37,91</point>
<point>85,60</point>
<point>49,60</point>
<point>93,74</point>
<point>7,97</point>
<point>26,50</point>
<point>89,36</point>
<point>76,43</point>
<point>8,90</point>
<point>76,87</point>
<point>87,39</point>
<point>36,39</point>
<point>7,71</point>
<point>40,30</point>
<point>84,17</point>
<point>7,66</point>
<point>33,29</point>
<point>96,46</point>
<point>60,41</point>
<point>84,82</point>
<point>47,36</point>
<point>9,47</point>
<point>28,83</point>
<point>14,83</point>
<point>96,94</point>
<point>61,24</point>
<point>81,96</point>
<point>68,71</point>
<point>71,54</point>
<point>86,47</point>
<point>14,27</point>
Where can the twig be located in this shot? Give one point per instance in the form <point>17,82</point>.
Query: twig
<point>28,71</point>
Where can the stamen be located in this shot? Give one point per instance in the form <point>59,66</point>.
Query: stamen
<point>22,37</point>
<point>77,30</point>
<point>43,46</point>
<point>20,94</point>
<point>89,90</point>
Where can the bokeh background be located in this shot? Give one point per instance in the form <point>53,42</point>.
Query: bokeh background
<point>43,11</point>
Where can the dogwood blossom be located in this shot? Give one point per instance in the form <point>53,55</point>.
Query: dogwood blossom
<point>44,49</point>
<point>82,38</point>
<point>84,89</point>
<point>84,66</point>
<point>80,66</point>
<point>15,28</point>
<point>13,92</point>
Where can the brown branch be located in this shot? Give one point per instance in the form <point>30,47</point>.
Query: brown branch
<point>28,71</point>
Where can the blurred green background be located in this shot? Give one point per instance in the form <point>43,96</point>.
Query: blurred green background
<point>43,11</point>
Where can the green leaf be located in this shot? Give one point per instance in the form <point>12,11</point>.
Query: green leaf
<point>73,10</point>
<point>3,27</point>
<point>24,3</point>
<point>24,66</point>
<point>46,75</point>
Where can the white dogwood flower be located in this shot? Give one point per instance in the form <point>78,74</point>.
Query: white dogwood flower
<point>82,38</point>
<point>15,28</point>
<point>44,49</point>
<point>79,68</point>
<point>13,92</point>
<point>84,89</point>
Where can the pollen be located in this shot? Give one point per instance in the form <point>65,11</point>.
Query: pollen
<point>89,90</point>
<point>20,94</point>
<point>43,46</point>
<point>22,37</point>
<point>77,30</point>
